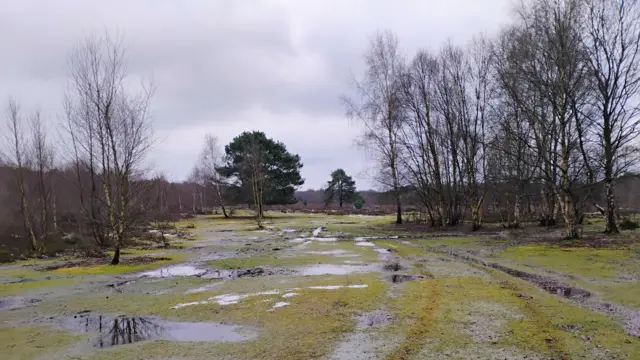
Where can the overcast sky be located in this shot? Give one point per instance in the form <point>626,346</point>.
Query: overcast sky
<point>227,66</point>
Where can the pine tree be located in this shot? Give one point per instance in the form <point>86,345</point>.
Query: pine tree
<point>341,188</point>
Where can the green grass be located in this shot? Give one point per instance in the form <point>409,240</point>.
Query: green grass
<point>35,285</point>
<point>29,342</point>
<point>308,328</point>
<point>581,261</point>
<point>430,311</point>
<point>626,294</point>
<point>108,269</point>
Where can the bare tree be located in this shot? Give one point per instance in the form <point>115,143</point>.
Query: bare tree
<point>421,140</point>
<point>378,108</point>
<point>110,128</point>
<point>254,166</point>
<point>613,45</point>
<point>17,156</point>
<point>551,74</point>
<point>211,159</point>
<point>44,165</point>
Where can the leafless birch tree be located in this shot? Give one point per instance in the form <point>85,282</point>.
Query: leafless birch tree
<point>378,109</point>
<point>612,40</point>
<point>110,128</point>
<point>211,159</point>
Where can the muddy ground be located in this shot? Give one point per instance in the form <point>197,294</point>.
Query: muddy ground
<point>331,287</point>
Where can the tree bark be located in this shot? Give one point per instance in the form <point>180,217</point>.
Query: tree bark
<point>116,255</point>
<point>611,226</point>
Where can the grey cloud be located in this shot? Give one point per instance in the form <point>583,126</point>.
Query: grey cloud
<point>213,61</point>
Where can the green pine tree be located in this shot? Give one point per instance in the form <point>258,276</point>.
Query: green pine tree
<point>341,188</point>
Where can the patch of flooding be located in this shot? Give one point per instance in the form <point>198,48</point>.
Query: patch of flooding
<point>365,238</point>
<point>330,252</point>
<point>375,248</point>
<point>326,269</point>
<point>107,331</point>
<point>241,273</point>
<point>229,299</point>
<point>202,288</point>
<point>365,243</point>
<point>174,271</point>
<point>335,287</point>
<point>317,231</point>
<point>278,305</point>
<point>17,302</point>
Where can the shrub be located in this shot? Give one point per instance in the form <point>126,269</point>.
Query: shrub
<point>628,224</point>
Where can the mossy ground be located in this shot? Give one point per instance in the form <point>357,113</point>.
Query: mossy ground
<point>464,311</point>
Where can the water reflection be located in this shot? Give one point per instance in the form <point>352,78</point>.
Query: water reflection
<point>121,330</point>
<point>106,331</point>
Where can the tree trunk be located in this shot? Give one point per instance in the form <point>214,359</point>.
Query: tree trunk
<point>25,213</point>
<point>116,254</point>
<point>54,212</point>
<point>399,209</point>
<point>611,226</point>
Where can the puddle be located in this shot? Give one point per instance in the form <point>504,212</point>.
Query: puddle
<point>326,269</point>
<point>17,302</point>
<point>226,299</point>
<point>317,231</point>
<point>548,284</point>
<point>379,250</point>
<point>202,288</point>
<point>288,230</point>
<point>330,252</point>
<point>309,240</point>
<point>365,243</point>
<point>241,273</point>
<point>174,271</point>
<point>382,250</point>
<point>106,331</point>
<point>335,287</point>
<point>229,299</point>
<point>278,305</point>
<point>365,238</point>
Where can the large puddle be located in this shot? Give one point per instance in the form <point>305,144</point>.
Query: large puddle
<point>271,296</point>
<point>175,271</point>
<point>106,331</point>
<point>326,269</point>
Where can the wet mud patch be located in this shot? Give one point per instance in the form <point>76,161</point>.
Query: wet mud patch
<point>368,341</point>
<point>174,271</point>
<point>17,302</point>
<point>241,273</point>
<point>393,266</point>
<point>485,321</point>
<point>402,278</point>
<point>108,331</point>
<point>327,269</point>
<point>548,284</point>
<point>378,318</point>
<point>134,261</point>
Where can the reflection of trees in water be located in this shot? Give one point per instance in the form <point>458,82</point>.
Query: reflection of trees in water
<point>122,330</point>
